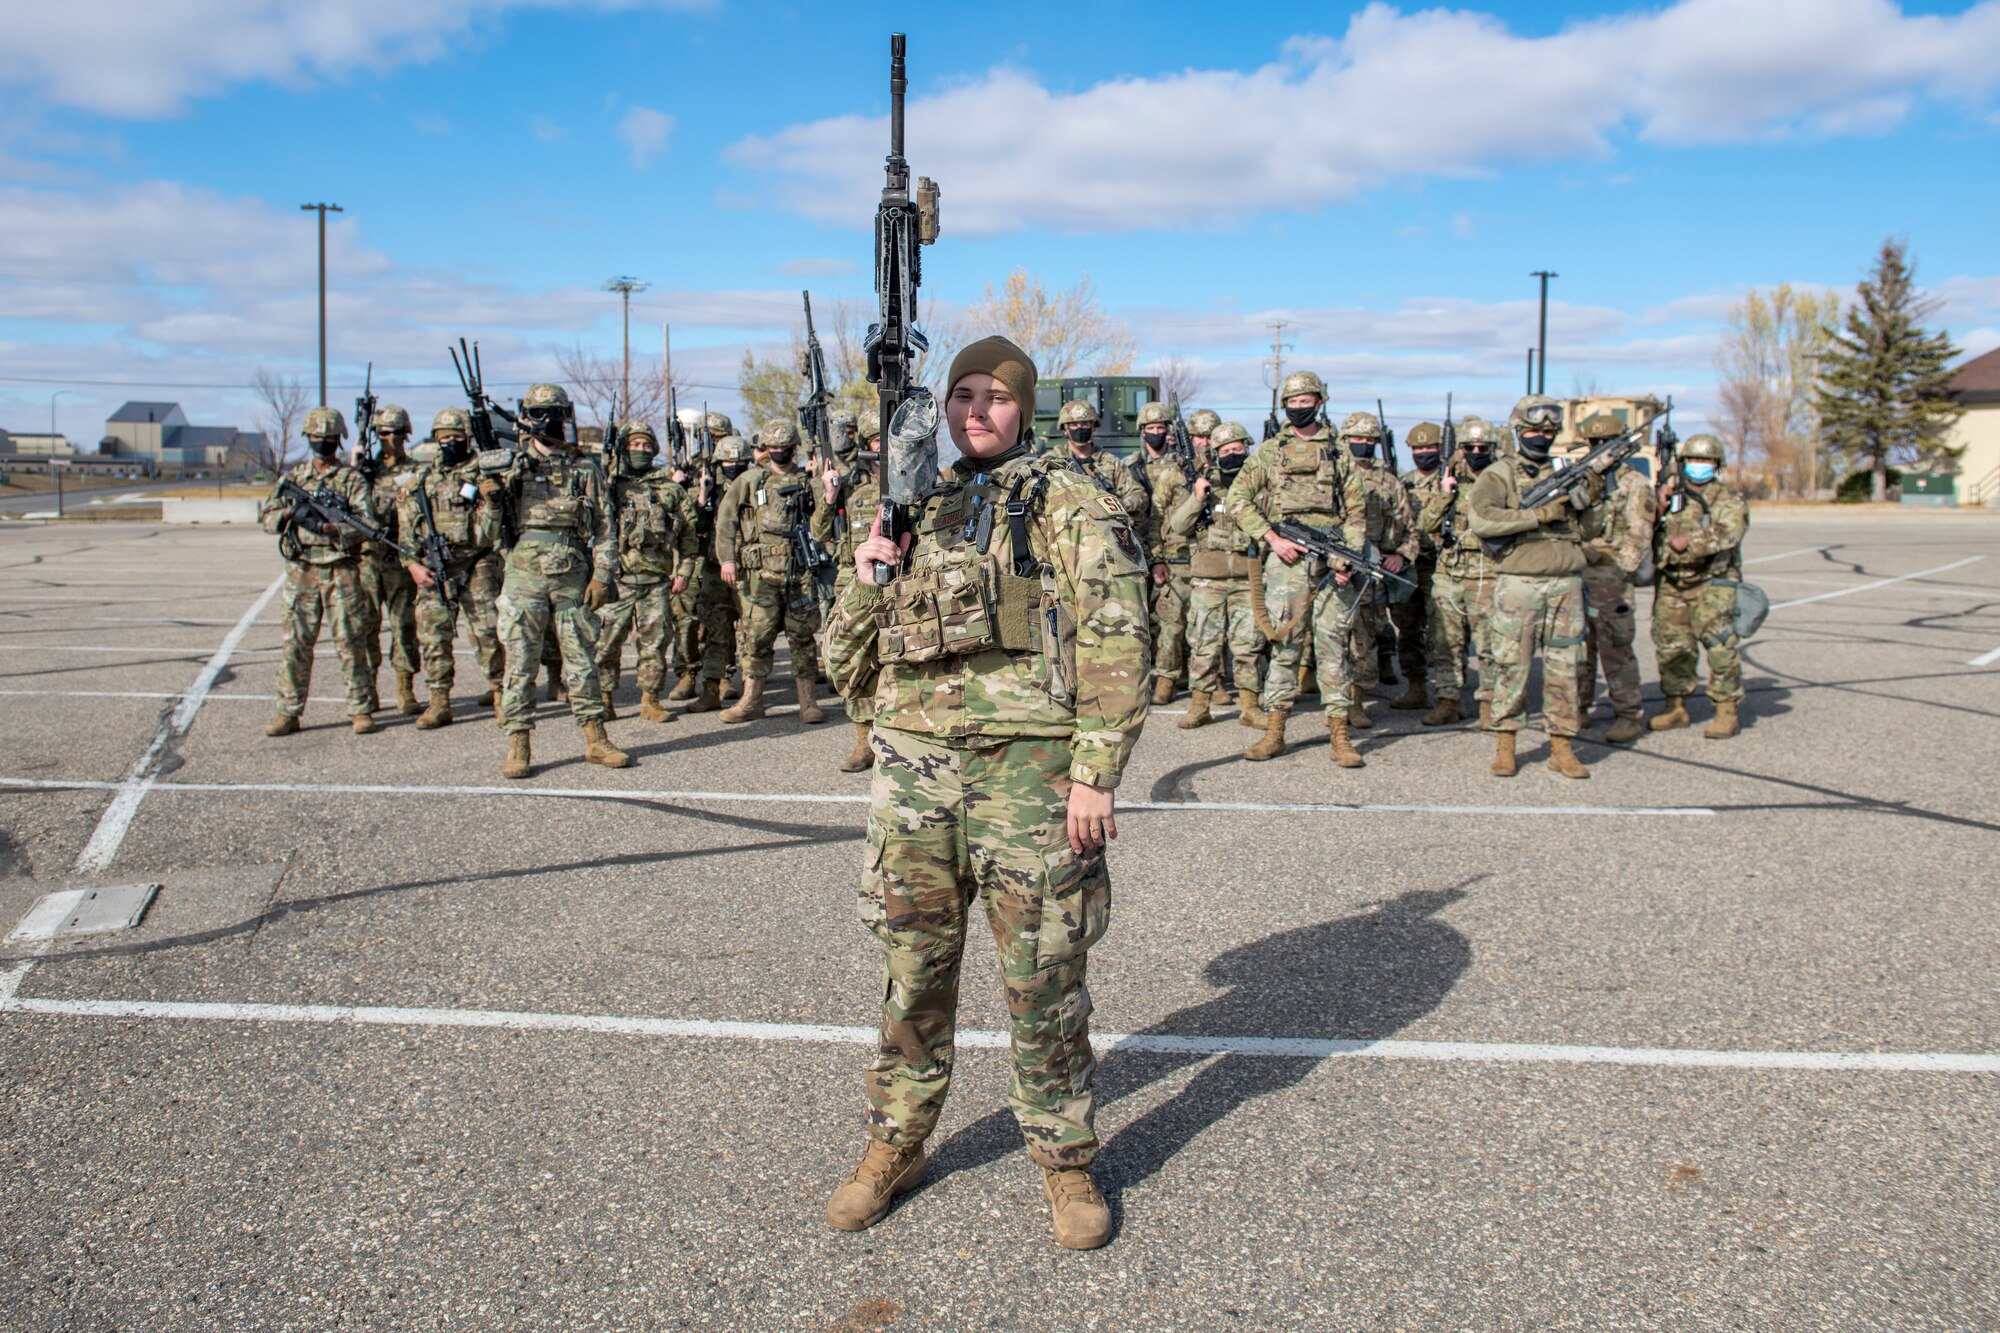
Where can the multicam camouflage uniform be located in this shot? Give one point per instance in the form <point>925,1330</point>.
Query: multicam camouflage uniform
<point>1220,556</point>
<point>840,527</point>
<point>1461,596</point>
<point>389,593</point>
<point>1412,616</point>
<point>1000,678</point>
<point>471,530</point>
<point>1396,535</point>
<point>1691,611</point>
<point>706,612</point>
<point>1165,486</point>
<point>1618,530</point>
<point>656,544</point>
<point>323,583</point>
<point>752,531</point>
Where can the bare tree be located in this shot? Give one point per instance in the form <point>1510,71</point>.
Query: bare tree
<point>1067,332</point>
<point>597,383</point>
<point>1180,380</point>
<point>283,401</point>
<point>1768,364</point>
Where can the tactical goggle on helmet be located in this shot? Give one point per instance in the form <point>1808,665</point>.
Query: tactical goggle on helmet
<point>1539,418</point>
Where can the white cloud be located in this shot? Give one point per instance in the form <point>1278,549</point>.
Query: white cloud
<point>1332,117</point>
<point>142,58</point>
<point>645,132</point>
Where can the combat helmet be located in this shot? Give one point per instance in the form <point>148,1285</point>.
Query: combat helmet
<point>1478,430</point>
<point>1204,422</point>
<point>718,425</point>
<point>732,449</point>
<point>1600,426</point>
<point>545,396</point>
<point>1537,412</point>
<point>1076,412</point>
<point>390,418</point>
<point>1360,426</point>
<point>1228,433</point>
<point>1701,446</point>
<point>1155,414</point>
<point>779,433</point>
<point>325,421</point>
<point>868,428</point>
<point>638,430</point>
<point>451,420</point>
<point>1301,381</point>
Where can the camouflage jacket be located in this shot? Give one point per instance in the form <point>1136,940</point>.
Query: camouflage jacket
<point>843,525</point>
<point>385,491</point>
<point>753,524</point>
<point>315,547</point>
<point>1399,534</point>
<point>1447,523</point>
<point>1618,529</point>
<point>560,493</point>
<point>1539,550</point>
<point>467,523</point>
<point>1112,476</point>
<point>1424,488</point>
<point>963,647</point>
<point>656,529</point>
<point>1714,519</point>
<point>1309,478</point>
<point>1165,486</point>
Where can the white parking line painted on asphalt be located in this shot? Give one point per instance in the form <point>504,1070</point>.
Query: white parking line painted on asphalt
<point>1264,1048</point>
<point>109,834</point>
<point>834,798</point>
<point>1986,659</point>
<point>152,694</point>
<point>1928,590</point>
<point>1879,583</point>
<point>1786,555</point>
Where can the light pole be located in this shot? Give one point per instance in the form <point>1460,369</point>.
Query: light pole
<point>625,287</point>
<point>322,210</point>
<point>1542,338</point>
<point>55,476</point>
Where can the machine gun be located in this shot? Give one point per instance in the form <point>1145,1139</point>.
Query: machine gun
<point>1563,483</point>
<point>327,506</point>
<point>485,434</point>
<point>432,552</point>
<point>816,405</point>
<point>1183,444</point>
<point>367,444</point>
<point>903,226</point>
<point>1366,564</point>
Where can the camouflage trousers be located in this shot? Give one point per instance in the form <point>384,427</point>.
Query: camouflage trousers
<point>1219,617</point>
<point>476,588</point>
<point>1412,617</point>
<point>1687,620</point>
<point>541,599</point>
<point>706,631</point>
<point>773,602</point>
<point>1531,611</point>
<point>1167,609</point>
<point>1461,608</point>
<point>642,612</point>
<point>1364,639</point>
<point>313,594</point>
<point>861,707</point>
<point>1611,628</point>
<point>948,825</point>
<point>389,597</point>
<point>1289,590</point>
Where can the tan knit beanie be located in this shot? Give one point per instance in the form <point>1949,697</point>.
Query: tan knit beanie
<point>1005,362</point>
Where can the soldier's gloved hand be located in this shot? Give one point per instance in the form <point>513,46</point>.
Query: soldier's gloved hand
<point>1553,512</point>
<point>1593,556</point>
<point>1591,492</point>
<point>489,488</point>
<point>597,595</point>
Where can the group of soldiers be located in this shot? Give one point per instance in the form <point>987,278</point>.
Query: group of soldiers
<point>554,558</point>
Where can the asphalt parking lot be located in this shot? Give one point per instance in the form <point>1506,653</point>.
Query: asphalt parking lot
<point>1711,1040</point>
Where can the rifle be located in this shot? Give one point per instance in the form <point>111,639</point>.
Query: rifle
<point>1271,424</point>
<point>815,408</point>
<point>676,432</point>
<point>367,457</point>
<point>1448,528</point>
<point>485,435</point>
<point>902,228</point>
<point>1183,445</point>
<point>1664,448</point>
<point>435,556</point>
<point>328,507</point>
<point>1366,564</point>
<point>1388,439</point>
<point>1565,482</point>
<point>807,553</point>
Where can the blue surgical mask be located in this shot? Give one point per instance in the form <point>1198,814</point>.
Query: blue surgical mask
<point>1699,473</point>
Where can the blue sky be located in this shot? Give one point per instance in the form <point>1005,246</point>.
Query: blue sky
<point>1381,178</point>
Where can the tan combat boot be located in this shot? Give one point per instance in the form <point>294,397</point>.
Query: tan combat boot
<point>862,757</point>
<point>1674,716</point>
<point>438,714</point>
<point>1413,697</point>
<point>710,700</point>
<point>1444,713</point>
<point>1197,713</point>
<point>281,725</point>
<point>684,687</point>
<point>1503,754</point>
<point>1273,743</point>
<point>1163,690</point>
<point>374,687</point>
<point>1624,731</point>
<point>364,724</point>
<point>1357,708</point>
<point>1249,713</point>
<point>1725,724</point>
<point>406,694</point>
<point>598,749</point>
<point>651,708</point>
<point>1081,1218</point>
<point>809,710</point>
<point>1486,715</point>
<point>1308,683</point>
<point>1340,748</point>
<point>751,706</point>
<point>608,694</point>
<point>863,1199</point>
<point>520,757</point>
<point>1563,760</point>
<point>730,689</point>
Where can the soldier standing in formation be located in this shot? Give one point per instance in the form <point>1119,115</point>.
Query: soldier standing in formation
<point>715,601</point>
<point>1411,616</point>
<point>849,501</point>
<point>1220,558</point>
<point>657,559</point>
<point>1078,422</point>
<point>1201,428</point>
<point>996,764</point>
<point>1393,529</point>
<point>322,578</point>
<point>388,594</point>
<point>753,531</point>
<point>1698,550</point>
<point>559,574</point>
<point>1303,473</point>
<point>1617,532</point>
<point>1461,588</point>
<point>470,527</point>
<point>1538,600</point>
<point>1159,475</point>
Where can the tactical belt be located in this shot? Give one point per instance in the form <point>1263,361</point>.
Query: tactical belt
<point>547,538</point>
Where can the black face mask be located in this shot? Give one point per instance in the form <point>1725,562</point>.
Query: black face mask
<point>638,462</point>
<point>1425,459</point>
<point>1301,417</point>
<point>326,450</point>
<point>779,457</point>
<point>734,470</point>
<point>1231,464</point>
<point>1478,459</point>
<point>1362,449</point>
<point>1535,448</point>
<point>1080,434</point>
<point>1156,440</point>
<point>453,450</point>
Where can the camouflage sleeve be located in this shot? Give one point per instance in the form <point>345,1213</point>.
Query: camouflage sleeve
<point>1242,500</point>
<point>351,488</point>
<point>1641,511</point>
<point>1133,496</point>
<point>272,510</point>
<point>1491,507</point>
<point>1430,518</point>
<point>1185,516</point>
<point>1102,583</point>
<point>824,512</point>
<point>1728,521</point>
<point>603,527</point>
<point>1403,521</point>
<point>408,519</point>
<point>725,517</point>
<point>1168,495</point>
<point>848,643</point>
<point>687,537</point>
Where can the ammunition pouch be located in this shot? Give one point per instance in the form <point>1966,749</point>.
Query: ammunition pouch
<point>1211,564</point>
<point>956,610</point>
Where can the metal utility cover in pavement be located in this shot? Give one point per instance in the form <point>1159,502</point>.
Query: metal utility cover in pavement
<point>67,913</point>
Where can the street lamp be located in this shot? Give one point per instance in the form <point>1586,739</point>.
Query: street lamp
<point>55,476</point>
<point>625,287</point>
<point>1542,338</point>
<point>322,210</point>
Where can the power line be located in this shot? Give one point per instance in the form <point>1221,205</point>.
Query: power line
<point>386,388</point>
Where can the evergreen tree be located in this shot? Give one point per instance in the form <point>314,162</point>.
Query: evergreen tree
<point>1881,380</point>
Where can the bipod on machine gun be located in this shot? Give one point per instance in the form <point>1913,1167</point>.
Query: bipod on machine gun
<point>486,436</point>
<point>907,468</point>
<point>1561,484</point>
